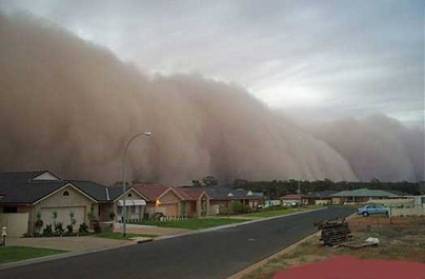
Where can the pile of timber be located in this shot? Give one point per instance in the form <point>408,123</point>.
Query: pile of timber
<point>334,231</point>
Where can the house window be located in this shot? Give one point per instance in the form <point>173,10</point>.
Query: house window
<point>66,194</point>
<point>129,195</point>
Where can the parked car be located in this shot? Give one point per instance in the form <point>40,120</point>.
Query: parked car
<point>371,209</point>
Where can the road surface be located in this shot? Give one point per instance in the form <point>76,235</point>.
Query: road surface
<point>214,254</point>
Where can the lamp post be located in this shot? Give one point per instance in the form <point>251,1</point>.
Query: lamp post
<point>124,174</point>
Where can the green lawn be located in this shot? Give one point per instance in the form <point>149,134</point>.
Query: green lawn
<point>19,253</point>
<point>119,236</point>
<point>272,212</point>
<point>195,223</point>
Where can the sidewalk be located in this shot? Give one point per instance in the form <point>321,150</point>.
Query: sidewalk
<point>150,230</point>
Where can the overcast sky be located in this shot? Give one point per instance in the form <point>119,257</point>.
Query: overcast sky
<point>315,58</point>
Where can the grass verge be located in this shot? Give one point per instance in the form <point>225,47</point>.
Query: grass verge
<point>195,223</point>
<point>19,253</point>
<point>274,212</point>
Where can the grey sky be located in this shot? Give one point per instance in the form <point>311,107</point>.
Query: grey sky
<point>315,58</point>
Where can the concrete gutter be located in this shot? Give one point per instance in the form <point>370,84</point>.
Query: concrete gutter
<point>80,253</point>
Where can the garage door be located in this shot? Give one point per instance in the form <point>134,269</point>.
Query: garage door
<point>63,215</point>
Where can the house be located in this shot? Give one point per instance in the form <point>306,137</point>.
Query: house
<point>222,198</point>
<point>196,201</point>
<point>186,201</point>
<point>361,196</point>
<point>161,199</point>
<point>318,198</point>
<point>292,200</point>
<point>41,195</point>
<point>272,203</point>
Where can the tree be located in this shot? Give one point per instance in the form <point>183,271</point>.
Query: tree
<point>196,183</point>
<point>209,181</point>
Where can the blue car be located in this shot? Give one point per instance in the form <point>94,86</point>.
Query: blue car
<point>371,209</point>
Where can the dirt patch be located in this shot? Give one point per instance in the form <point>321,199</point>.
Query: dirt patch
<point>347,267</point>
<point>402,238</point>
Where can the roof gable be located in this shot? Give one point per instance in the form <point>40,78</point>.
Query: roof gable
<point>151,191</point>
<point>190,192</point>
<point>67,185</point>
<point>116,195</point>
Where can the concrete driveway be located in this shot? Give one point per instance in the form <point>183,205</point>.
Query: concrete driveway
<point>74,244</point>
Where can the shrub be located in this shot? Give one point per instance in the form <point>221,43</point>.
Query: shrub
<point>111,215</point>
<point>238,207</point>
<point>83,228</point>
<point>47,231</point>
<point>59,228</point>
<point>69,229</point>
<point>38,223</point>
<point>96,227</point>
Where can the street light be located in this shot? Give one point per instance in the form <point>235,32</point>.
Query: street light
<point>124,174</point>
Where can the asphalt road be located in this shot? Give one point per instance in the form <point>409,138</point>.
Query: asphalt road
<point>214,254</point>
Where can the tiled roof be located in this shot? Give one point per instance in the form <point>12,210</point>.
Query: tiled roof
<point>227,193</point>
<point>24,176</point>
<point>95,190</point>
<point>21,188</point>
<point>291,197</point>
<point>26,192</point>
<point>322,194</point>
<point>190,192</point>
<point>364,192</point>
<point>151,191</point>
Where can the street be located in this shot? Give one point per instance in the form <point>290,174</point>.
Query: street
<point>215,254</point>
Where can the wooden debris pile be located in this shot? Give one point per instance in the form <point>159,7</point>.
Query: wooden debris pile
<point>334,231</point>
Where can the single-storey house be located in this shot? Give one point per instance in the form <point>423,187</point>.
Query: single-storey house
<point>174,201</point>
<point>41,195</point>
<point>196,201</point>
<point>318,198</point>
<point>271,203</point>
<point>361,196</point>
<point>292,200</point>
<point>222,198</point>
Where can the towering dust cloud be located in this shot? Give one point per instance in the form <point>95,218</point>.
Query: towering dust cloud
<point>69,106</point>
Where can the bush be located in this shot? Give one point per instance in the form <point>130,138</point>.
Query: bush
<point>83,228</point>
<point>47,231</point>
<point>69,229</point>
<point>96,226</point>
<point>38,223</point>
<point>59,229</point>
<point>238,208</point>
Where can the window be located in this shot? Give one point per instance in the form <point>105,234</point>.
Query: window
<point>129,195</point>
<point>66,194</point>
